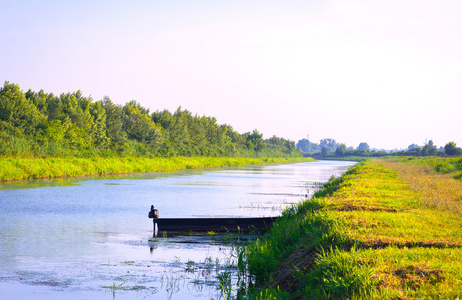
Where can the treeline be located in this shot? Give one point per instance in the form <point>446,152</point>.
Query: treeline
<point>429,149</point>
<point>329,147</point>
<point>37,124</point>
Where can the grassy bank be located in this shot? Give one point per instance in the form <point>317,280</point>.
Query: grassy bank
<point>378,232</point>
<point>21,169</point>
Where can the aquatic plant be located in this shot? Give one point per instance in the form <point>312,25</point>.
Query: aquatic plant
<point>225,284</point>
<point>190,266</point>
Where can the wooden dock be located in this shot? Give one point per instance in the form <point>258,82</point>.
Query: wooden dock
<point>215,224</point>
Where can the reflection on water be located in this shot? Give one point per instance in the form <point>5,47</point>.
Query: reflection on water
<point>91,237</point>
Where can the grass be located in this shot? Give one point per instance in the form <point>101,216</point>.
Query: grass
<point>387,273</point>
<point>23,168</point>
<point>435,179</point>
<point>387,229</point>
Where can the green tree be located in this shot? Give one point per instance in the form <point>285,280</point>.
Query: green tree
<point>43,124</point>
<point>413,146</point>
<point>429,149</point>
<point>179,132</point>
<point>76,138</point>
<point>363,147</point>
<point>303,145</point>
<point>114,125</point>
<point>98,126</point>
<point>54,108</point>
<point>255,140</point>
<point>54,131</point>
<point>72,110</point>
<point>308,147</point>
<point>164,118</point>
<point>140,127</point>
<point>18,111</point>
<point>280,146</point>
<point>330,145</point>
<point>451,149</point>
<point>39,99</point>
<point>341,150</point>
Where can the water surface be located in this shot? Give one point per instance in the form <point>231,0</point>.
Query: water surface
<point>77,238</point>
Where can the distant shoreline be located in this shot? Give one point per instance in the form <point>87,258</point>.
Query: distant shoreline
<point>14,169</point>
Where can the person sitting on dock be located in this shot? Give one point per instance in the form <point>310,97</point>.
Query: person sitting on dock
<point>153,214</point>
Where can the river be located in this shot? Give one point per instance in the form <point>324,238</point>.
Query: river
<point>90,238</point>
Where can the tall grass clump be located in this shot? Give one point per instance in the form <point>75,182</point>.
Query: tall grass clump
<point>13,145</point>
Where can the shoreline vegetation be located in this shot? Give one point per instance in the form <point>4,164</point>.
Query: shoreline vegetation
<point>12,169</point>
<point>41,125</point>
<point>47,136</point>
<point>387,229</point>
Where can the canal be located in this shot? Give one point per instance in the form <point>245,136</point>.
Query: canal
<point>90,238</point>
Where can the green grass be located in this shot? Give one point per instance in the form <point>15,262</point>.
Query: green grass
<point>388,273</point>
<point>371,234</point>
<point>24,168</point>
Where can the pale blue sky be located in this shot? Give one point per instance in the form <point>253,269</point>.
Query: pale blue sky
<point>388,73</point>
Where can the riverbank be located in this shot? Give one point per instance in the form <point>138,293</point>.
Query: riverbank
<point>25,168</point>
<point>378,232</point>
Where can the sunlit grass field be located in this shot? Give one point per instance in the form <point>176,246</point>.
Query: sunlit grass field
<point>387,229</point>
<point>437,180</point>
<point>24,168</point>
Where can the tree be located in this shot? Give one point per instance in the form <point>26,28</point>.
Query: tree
<point>139,126</point>
<point>308,147</point>
<point>255,141</point>
<point>451,149</point>
<point>330,145</point>
<point>304,145</point>
<point>363,147</point>
<point>54,131</point>
<point>76,138</point>
<point>413,146</point>
<point>18,111</point>
<point>164,118</point>
<point>54,108</point>
<point>179,132</point>
<point>72,124</point>
<point>98,128</point>
<point>429,149</point>
<point>280,145</point>
<point>71,108</point>
<point>324,151</point>
<point>114,125</point>
<point>341,150</point>
<point>39,99</point>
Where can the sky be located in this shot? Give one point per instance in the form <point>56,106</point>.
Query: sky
<point>388,73</point>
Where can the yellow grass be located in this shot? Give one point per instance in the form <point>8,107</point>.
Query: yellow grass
<point>440,191</point>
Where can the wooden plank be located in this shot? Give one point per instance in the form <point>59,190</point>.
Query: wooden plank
<point>215,224</point>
